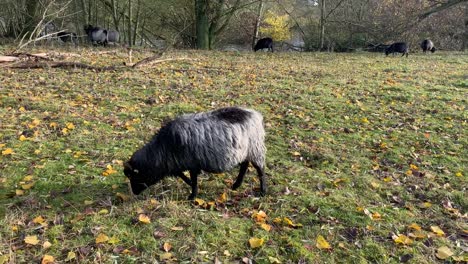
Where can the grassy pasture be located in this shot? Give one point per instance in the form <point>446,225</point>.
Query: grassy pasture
<point>360,147</point>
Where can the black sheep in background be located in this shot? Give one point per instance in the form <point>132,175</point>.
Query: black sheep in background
<point>398,47</point>
<point>264,43</point>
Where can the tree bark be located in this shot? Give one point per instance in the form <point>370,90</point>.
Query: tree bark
<point>322,24</point>
<point>32,19</point>
<point>130,23</point>
<point>137,22</point>
<point>257,23</point>
<point>114,15</point>
<point>465,36</point>
<point>441,7</point>
<point>202,24</point>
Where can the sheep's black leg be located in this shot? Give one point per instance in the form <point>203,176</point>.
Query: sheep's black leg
<point>193,179</point>
<point>243,169</point>
<point>184,178</point>
<point>261,176</point>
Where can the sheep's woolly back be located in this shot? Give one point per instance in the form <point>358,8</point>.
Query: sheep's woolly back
<point>214,141</point>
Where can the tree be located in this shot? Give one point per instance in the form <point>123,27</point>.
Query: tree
<point>212,18</point>
<point>258,19</point>
<point>276,26</point>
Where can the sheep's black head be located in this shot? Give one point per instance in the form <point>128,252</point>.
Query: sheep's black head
<point>387,51</point>
<point>139,181</point>
<point>433,49</point>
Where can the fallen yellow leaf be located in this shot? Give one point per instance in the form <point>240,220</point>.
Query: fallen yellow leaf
<point>27,186</point>
<point>47,259</point>
<point>376,216</point>
<point>256,242</point>
<point>222,198</point>
<point>444,253</point>
<point>23,138</point>
<point>418,234</point>
<point>28,178</point>
<point>177,228</point>
<point>109,171</point>
<point>167,247</point>
<point>103,211</point>
<point>402,239</point>
<point>46,245</point>
<point>31,240</point>
<point>266,227</point>
<point>437,231</point>
<point>7,151</point>
<point>101,238</point>
<point>259,217</point>
<point>38,220</point>
<point>144,219</point>
<point>165,256</point>
<point>322,243</point>
<point>71,255</point>
<point>113,240</point>
<point>414,226</point>
<point>199,202</point>
<point>70,126</point>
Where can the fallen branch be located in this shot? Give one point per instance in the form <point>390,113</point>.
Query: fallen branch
<point>8,58</point>
<point>35,64</point>
<point>43,55</point>
<point>63,64</point>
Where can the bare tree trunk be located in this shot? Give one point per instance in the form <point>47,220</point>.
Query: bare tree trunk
<point>32,19</point>
<point>202,24</point>
<point>465,36</point>
<point>137,22</point>
<point>85,13</point>
<point>130,22</point>
<point>257,23</point>
<point>322,24</point>
<point>114,15</point>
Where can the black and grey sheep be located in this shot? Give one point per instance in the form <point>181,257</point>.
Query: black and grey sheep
<point>101,36</point>
<point>214,141</point>
<point>398,47</point>
<point>428,45</point>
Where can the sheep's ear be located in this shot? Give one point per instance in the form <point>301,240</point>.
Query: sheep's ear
<point>129,167</point>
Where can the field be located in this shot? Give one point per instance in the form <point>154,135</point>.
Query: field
<point>366,160</point>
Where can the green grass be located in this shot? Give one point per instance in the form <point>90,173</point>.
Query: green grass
<point>343,131</point>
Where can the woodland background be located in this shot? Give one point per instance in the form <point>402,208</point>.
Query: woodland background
<point>334,25</point>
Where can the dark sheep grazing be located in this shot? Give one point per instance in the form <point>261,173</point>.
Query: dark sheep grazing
<point>398,47</point>
<point>96,35</point>
<point>427,45</point>
<point>68,37</point>
<point>264,43</point>
<point>214,141</point>
<point>113,36</point>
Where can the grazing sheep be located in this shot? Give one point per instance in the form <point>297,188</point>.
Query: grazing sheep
<point>426,45</point>
<point>214,141</point>
<point>264,43</point>
<point>398,47</point>
<point>96,35</point>
<point>113,36</point>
